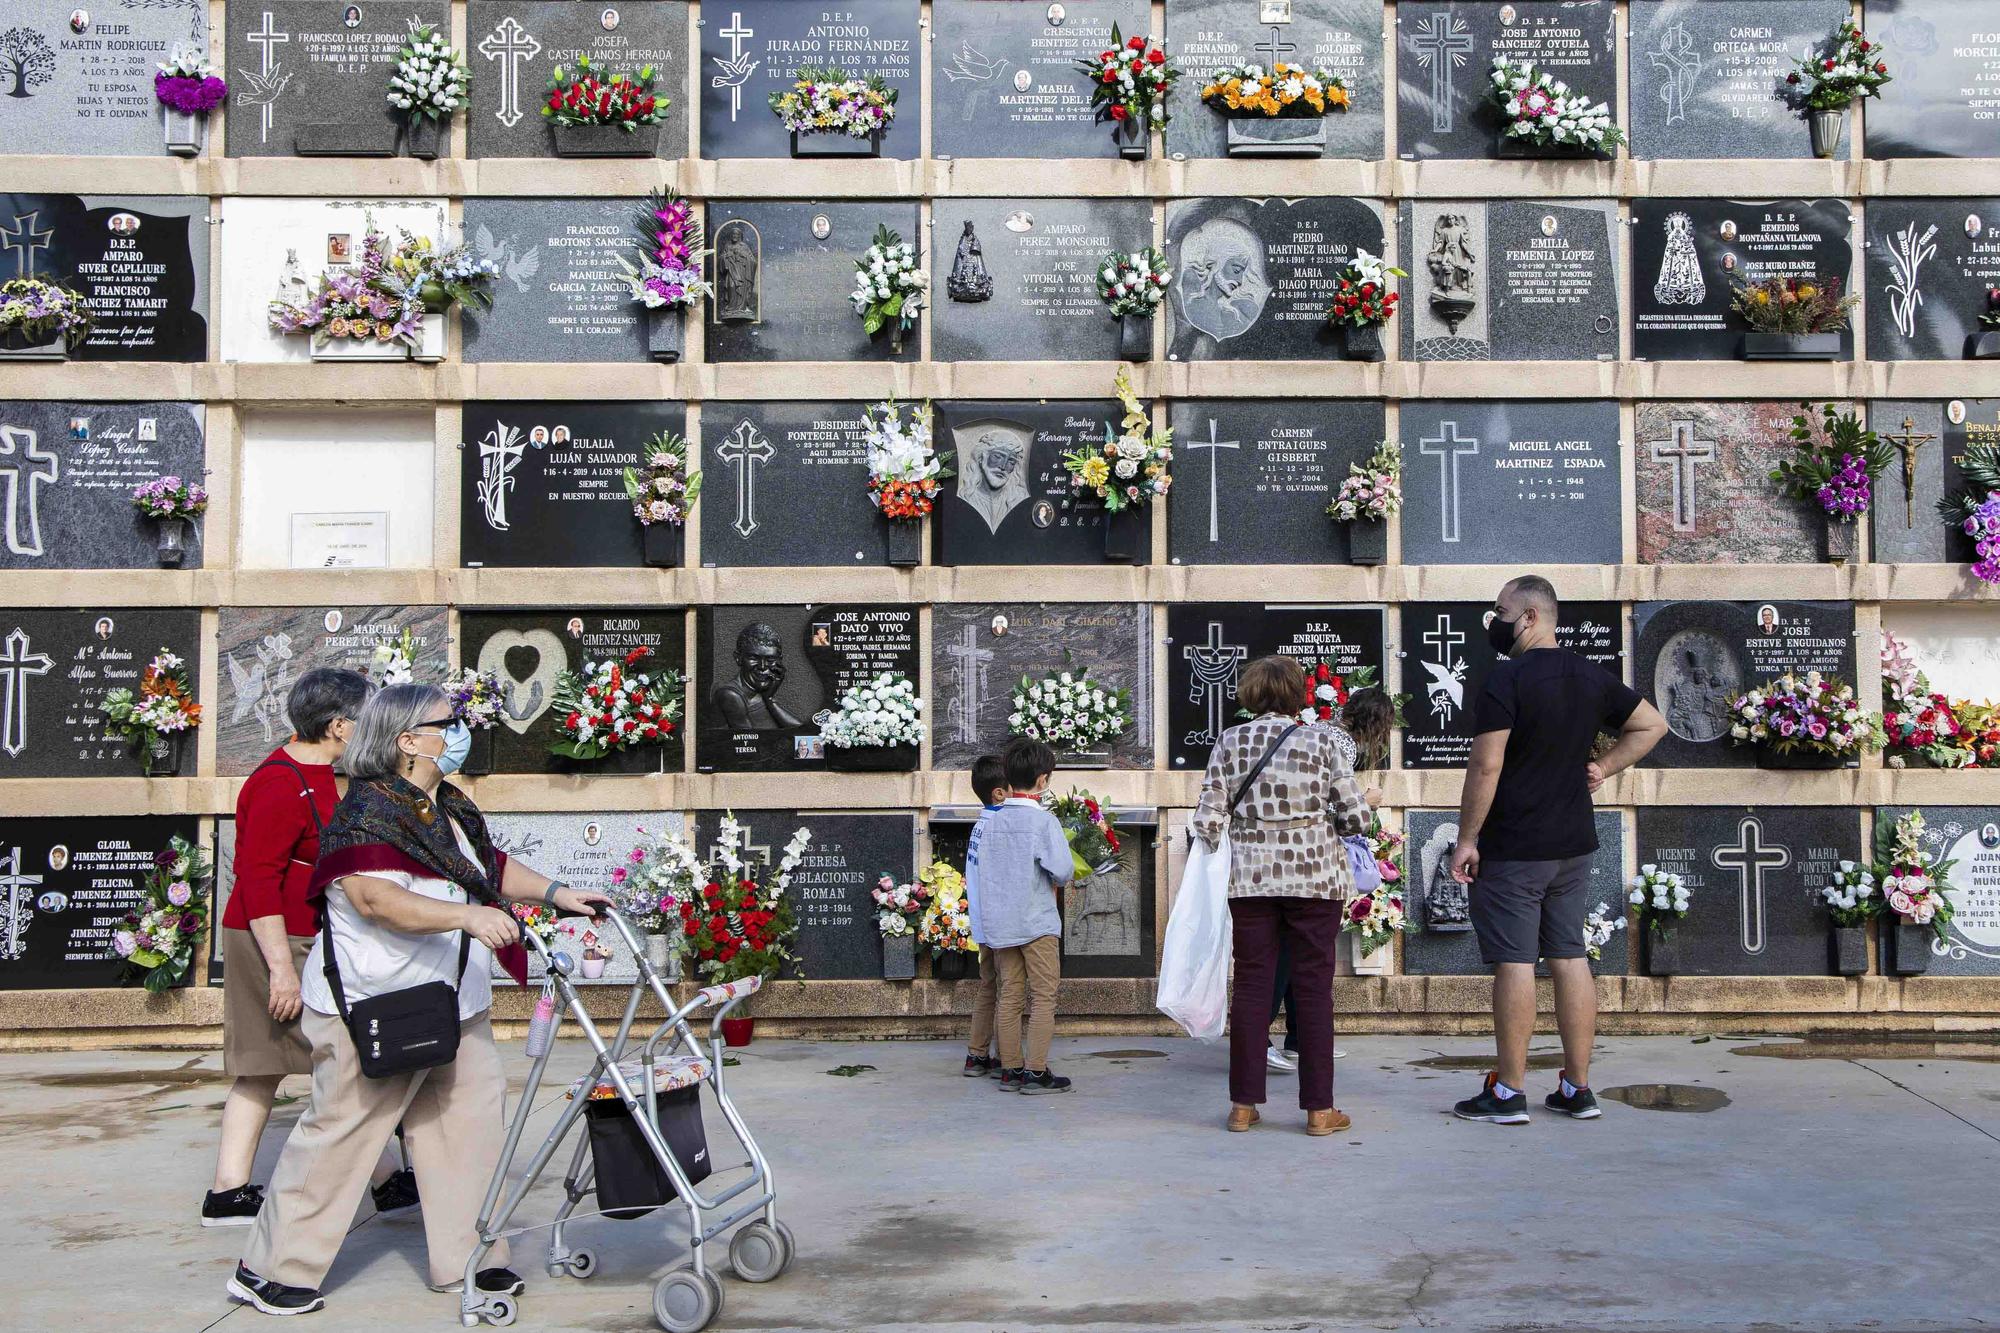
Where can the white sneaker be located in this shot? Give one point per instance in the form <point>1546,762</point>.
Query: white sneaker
<point>1339,1054</point>
<point>1277,1061</point>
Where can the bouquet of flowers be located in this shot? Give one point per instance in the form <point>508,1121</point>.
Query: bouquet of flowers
<point>1850,66</point>
<point>737,920</point>
<point>1598,928</point>
<point>439,278</point>
<point>1387,845</point>
<point>170,497</point>
<point>1918,720</point>
<point>475,698</point>
<point>1130,80</point>
<point>394,661</point>
<point>1361,295</point>
<point>1541,109</point>
<point>947,922</point>
<point>1914,883</point>
<point>1291,92</point>
<point>1990,318</point>
<point>158,937</point>
<point>1978,733</point>
<point>904,467</point>
<point>431,81</point>
<point>1092,831</point>
<point>1134,283</point>
<point>356,303</point>
<point>1812,713</point>
<point>1793,305</point>
<point>1373,488</point>
<point>1377,916</point>
<point>884,711</point>
<point>665,491</point>
<point>1069,712</point>
<point>656,880</point>
<point>187,83</point>
<point>164,706</point>
<point>888,285</point>
<point>538,920</point>
<point>1660,895</point>
<point>582,97</point>
<point>897,906</point>
<point>33,311</point>
<point>1835,463</point>
<point>611,706</point>
<point>1129,469</point>
<point>668,275</point>
<point>1976,509</point>
<point>828,100</point>
<point>1850,896</point>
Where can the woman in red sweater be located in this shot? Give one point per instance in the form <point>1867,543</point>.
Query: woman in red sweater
<point>268,926</point>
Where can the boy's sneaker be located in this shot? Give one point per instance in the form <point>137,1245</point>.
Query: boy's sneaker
<point>1579,1105</point>
<point>1279,1061</point>
<point>272,1297</point>
<point>397,1196</point>
<point>1010,1079</point>
<point>1035,1084</point>
<point>1494,1109</point>
<point>232,1208</point>
<point>979,1066</point>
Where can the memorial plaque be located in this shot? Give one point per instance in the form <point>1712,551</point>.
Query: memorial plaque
<point>1930,439</point>
<point>1040,258</point>
<point>295,64</point>
<point>1252,277</point>
<point>1947,66</point>
<point>1444,943</point>
<point>264,650</point>
<point>1004,81</point>
<point>91,90</point>
<point>70,469</point>
<point>543,484</point>
<point>769,675</point>
<point>56,666</point>
<point>980,652</point>
<point>1690,255</point>
<point>580,849</point>
<point>783,273</point>
<point>1969,837</point>
<point>1754,877</point>
<point>1693,657</point>
<point>1343,37</point>
<point>787,484</point>
<point>1208,645</point>
<point>838,939</point>
<point>763,44</point>
<point>1930,263</point>
<point>1486,482</point>
<point>1508,280</point>
<point>1445,659</point>
<point>1253,478</point>
<point>139,261</point>
<point>1444,66</point>
<point>1708,76</point>
<point>1704,486</point>
<point>1010,502</point>
<point>530,649</point>
<point>512,45</point>
<point>65,886</point>
<point>561,294</point>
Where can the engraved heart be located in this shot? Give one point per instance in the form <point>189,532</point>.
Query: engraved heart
<point>524,695</point>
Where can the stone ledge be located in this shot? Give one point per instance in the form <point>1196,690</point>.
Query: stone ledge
<point>1958,995</point>
<point>1757,995</point>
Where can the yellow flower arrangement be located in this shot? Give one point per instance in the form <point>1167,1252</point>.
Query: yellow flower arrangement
<point>1129,469</point>
<point>1246,91</point>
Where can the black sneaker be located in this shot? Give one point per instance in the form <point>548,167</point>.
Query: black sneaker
<point>232,1208</point>
<point>1010,1079</point>
<point>272,1297</point>
<point>492,1281</point>
<point>979,1066</point>
<point>1581,1105</point>
<point>397,1196</point>
<point>1035,1084</point>
<point>1494,1110</point>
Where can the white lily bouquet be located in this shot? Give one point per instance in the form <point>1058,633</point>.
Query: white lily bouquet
<point>886,711</point>
<point>1069,711</point>
<point>1541,108</point>
<point>1598,929</point>
<point>1852,895</point>
<point>431,81</point>
<point>1660,895</point>
<point>889,286</point>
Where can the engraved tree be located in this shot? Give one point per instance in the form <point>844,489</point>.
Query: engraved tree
<point>26,57</point>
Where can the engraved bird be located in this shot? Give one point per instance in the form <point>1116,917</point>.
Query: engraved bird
<point>249,686</point>
<point>517,269</point>
<point>260,89</point>
<point>970,65</point>
<point>735,73</point>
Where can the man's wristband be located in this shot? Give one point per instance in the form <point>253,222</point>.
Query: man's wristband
<point>549,894</point>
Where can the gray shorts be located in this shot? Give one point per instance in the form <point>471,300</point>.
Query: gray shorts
<point>1524,910</point>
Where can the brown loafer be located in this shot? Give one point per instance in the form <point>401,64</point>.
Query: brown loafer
<point>1241,1118</point>
<point>1326,1122</point>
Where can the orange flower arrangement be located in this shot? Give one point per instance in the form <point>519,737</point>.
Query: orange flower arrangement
<point>1293,91</point>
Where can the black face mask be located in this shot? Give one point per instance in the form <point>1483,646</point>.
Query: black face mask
<point>1500,635</point>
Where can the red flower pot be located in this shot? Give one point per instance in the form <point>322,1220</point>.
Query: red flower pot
<point>738,1031</point>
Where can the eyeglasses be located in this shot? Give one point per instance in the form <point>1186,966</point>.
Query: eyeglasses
<point>435,724</point>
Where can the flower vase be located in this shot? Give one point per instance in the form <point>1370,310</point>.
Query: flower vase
<point>1838,539</point>
<point>17,346</point>
<point>899,330</point>
<point>666,334</point>
<point>170,543</point>
<point>906,542</point>
<point>663,958</point>
<point>1663,951</point>
<point>1828,127</point>
<point>1135,337</point>
<point>739,1031</point>
<point>1363,341</point>
<point>1791,347</point>
<point>1519,147</point>
<point>1277,136</point>
<point>872,758</point>
<point>593,968</point>
<point>1091,759</point>
<point>660,544</point>
<point>184,132</point>
<point>899,957</point>
<point>1133,137</point>
<point>479,759</point>
<point>1368,541</point>
<point>432,340</point>
<point>1127,535</point>
<point>836,145</point>
<point>424,136</point>
<point>948,966</point>
<point>160,754</point>
<point>606,140</point>
<point>1847,951</point>
<point>1906,949</point>
<point>1983,346</point>
<point>1798,760</point>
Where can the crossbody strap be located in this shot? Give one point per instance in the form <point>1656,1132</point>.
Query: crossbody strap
<point>305,787</point>
<point>1243,788</point>
<point>331,966</point>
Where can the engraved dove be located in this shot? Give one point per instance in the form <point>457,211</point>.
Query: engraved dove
<point>968,65</point>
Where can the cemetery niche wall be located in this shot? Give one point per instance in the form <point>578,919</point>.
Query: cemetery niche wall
<point>1947,67</point>
<point>68,883</point>
<point>1253,477</point>
<point>139,261</point>
<point>1251,276</point>
<point>765,466</point>
<point>766,43</point>
<point>1930,438</point>
<point>1508,280</point>
<point>1444,61</point>
<point>1004,81</point>
<point>1707,76</point>
<point>1011,502</point>
<point>311,77</point>
<point>56,666</point>
<point>782,273</point>
<point>1705,494</point>
<point>1689,256</point>
<point>512,45</point>
<point>1342,37</point>
<point>1930,264</point>
<point>1020,283</point>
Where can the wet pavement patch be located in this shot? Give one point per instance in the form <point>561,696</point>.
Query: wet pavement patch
<point>1128,1055</point>
<point>1538,1060</point>
<point>1838,1047</point>
<point>849,1071</point>
<point>1667,1097</point>
<point>186,1075</point>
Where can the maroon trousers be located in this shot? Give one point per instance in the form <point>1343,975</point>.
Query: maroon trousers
<point>1311,927</point>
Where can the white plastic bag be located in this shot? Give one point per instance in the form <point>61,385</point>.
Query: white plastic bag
<point>1194,963</point>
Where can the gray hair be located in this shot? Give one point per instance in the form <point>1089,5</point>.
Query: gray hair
<point>394,710</point>
<point>322,695</point>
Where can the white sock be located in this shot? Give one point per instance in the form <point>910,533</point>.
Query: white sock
<point>1502,1091</point>
<point>1569,1089</point>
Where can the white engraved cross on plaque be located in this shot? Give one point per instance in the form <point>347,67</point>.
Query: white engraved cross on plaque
<point>970,661</point>
<point>16,665</point>
<point>1442,44</point>
<point>746,448</point>
<point>19,889</point>
<point>1750,858</point>
<point>1215,665</point>
<point>26,466</point>
<point>1211,444</point>
<point>1447,688</point>
<point>737,69</point>
<point>267,40</point>
<point>1683,451</point>
<point>1447,448</point>
<point>24,240</point>
<point>511,45</point>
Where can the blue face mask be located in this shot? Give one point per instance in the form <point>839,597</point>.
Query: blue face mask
<point>457,745</point>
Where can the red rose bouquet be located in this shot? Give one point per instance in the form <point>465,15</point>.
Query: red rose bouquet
<point>582,97</point>
<point>1130,80</point>
<point>611,706</point>
<point>736,919</point>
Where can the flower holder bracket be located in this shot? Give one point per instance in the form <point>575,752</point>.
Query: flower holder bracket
<point>374,139</point>
<point>605,141</point>
<point>906,542</point>
<point>1791,347</point>
<point>184,133</point>
<point>1135,338</point>
<point>1277,136</point>
<point>836,145</point>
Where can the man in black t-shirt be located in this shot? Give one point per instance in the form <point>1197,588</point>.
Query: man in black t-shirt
<point>1526,835</point>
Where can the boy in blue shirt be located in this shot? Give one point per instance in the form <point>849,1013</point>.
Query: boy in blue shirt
<point>989,784</point>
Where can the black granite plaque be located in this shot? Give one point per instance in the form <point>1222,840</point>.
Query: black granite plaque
<point>1690,255</point>
<point>1509,280</point>
<point>1486,482</point>
<point>783,274</point>
<point>753,48</point>
<point>512,45</point>
<point>1968,837</point>
<point>56,665</point>
<point>530,649</point>
<point>1445,660</point>
<point>1930,439</point>
<point>69,470</point>
<point>1343,37</point>
<point>297,64</point>
<point>1708,76</point>
<point>88,91</point>
<point>1011,502</point>
<point>769,675</point>
<point>1252,479</point>
<point>1930,264</point>
<point>1693,657</point>
<point>561,294</point>
<point>1252,277</point>
<point>1004,81</point>
<point>1208,645</point>
<point>1042,257</point>
<point>65,886</point>
<point>1754,877</point>
<point>1945,56</point>
<point>787,484</point>
<point>1444,66</point>
<point>140,262</point>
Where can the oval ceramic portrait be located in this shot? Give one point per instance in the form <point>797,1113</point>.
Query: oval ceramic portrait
<point>332,621</point>
<point>822,226</point>
<point>609,19</point>
<point>1954,412</point>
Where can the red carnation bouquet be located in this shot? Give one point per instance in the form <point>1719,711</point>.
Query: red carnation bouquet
<point>612,705</point>
<point>583,96</point>
<point>1092,831</point>
<point>1130,80</point>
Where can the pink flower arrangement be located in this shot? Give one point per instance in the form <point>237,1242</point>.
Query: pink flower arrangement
<point>1913,881</point>
<point>1373,489</point>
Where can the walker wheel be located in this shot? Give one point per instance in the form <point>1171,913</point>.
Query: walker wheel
<point>581,1264</point>
<point>757,1252</point>
<point>685,1301</point>
<point>791,1244</point>
<point>499,1311</point>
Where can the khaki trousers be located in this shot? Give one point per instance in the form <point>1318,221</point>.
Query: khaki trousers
<point>1029,976</point>
<point>452,1118</point>
<point>982,1003</point>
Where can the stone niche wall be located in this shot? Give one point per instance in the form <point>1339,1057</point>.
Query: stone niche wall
<point>1588,409</point>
